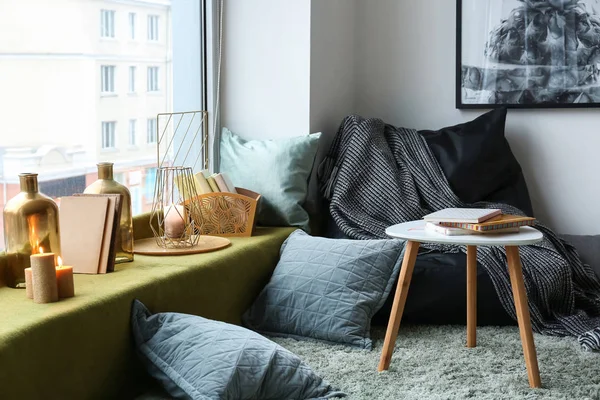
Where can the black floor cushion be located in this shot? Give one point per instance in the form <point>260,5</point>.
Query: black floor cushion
<point>438,294</point>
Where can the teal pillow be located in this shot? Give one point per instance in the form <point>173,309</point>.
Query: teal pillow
<point>277,169</point>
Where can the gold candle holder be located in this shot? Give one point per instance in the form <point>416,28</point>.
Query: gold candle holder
<point>107,185</point>
<point>30,222</point>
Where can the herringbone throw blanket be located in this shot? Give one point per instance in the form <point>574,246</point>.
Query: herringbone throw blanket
<point>377,175</point>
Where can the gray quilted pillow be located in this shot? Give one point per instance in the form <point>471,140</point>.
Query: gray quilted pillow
<point>197,358</point>
<point>327,289</point>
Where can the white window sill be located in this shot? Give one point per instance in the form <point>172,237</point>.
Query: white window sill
<point>132,94</point>
<point>109,150</point>
<point>108,38</point>
<point>133,147</point>
<point>108,94</point>
<point>154,93</point>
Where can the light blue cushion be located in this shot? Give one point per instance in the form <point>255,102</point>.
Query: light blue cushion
<point>277,169</point>
<point>198,358</point>
<point>327,289</point>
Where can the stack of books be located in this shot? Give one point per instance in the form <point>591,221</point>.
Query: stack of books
<point>205,183</point>
<point>89,229</point>
<point>469,221</point>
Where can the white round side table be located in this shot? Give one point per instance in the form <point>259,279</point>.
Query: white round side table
<point>414,232</point>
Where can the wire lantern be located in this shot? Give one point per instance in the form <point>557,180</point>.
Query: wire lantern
<point>174,214</point>
<point>182,146</point>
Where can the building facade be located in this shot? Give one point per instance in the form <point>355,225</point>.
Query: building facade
<point>82,82</point>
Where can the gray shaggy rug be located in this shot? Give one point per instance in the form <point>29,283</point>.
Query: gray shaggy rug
<point>432,362</point>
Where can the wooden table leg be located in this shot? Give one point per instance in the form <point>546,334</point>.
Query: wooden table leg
<point>471,296</point>
<point>520,296</point>
<point>408,264</point>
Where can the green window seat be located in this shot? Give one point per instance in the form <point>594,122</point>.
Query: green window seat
<point>81,348</point>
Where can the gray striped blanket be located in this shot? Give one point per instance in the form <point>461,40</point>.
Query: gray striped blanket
<point>377,175</point>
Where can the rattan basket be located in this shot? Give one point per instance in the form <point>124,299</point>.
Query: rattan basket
<point>226,214</point>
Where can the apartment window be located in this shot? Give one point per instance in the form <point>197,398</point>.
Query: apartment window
<point>107,23</point>
<point>109,52</point>
<point>151,133</point>
<point>136,199</point>
<point>108,135</point>
<point>107,78</point>
<point>132,126</point>
<point>153,27</point>
<point>132,18</point>
<point>153,79</point>
<point>149,183</point>
<point>132,79</point>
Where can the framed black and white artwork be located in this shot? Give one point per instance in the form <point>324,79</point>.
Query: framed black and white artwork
<point>528,53</point>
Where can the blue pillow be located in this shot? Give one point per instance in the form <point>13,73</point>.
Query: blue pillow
<point>198,358</point>
<point>277,169</point>
<point>327,289</point>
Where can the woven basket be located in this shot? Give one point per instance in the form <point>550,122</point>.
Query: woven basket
<point>226,214</point>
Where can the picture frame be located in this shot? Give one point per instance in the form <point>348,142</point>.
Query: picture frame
<point>527,54</point>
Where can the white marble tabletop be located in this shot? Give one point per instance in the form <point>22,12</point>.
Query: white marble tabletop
<point>415,231</point>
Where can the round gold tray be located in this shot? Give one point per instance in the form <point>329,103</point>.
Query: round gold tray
<point>205,244</point>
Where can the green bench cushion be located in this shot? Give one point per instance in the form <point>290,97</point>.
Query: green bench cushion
<point>82,347</point>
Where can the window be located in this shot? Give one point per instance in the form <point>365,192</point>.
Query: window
<point>132,79</point>
<point>95,59</point>
<point>132,18</point>
<point>151,134</point>
<point>107,78</point>
<point>153,79</point>
<point>107,23</point>
<point>149,183</point>
<point>153,27</point>
<point>136,200</point>
<point>108,135</point>
<point>132,124</point>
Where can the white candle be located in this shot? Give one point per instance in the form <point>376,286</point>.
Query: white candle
<point>174,221</point>
<point>64,280</point>
<point>28,283</point>
<point>43,274</point>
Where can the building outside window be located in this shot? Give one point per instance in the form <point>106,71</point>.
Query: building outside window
<point>79,122</point>
<point>151,134</point>
<point>108,135</point>
<point>153,79</point>
<point>153,27</point>
<point>132,126</point>
<point>107,78</point>
<point>136,200</point>
<point>107,23</point>
<point>132,70</point>
<point>132,20</point>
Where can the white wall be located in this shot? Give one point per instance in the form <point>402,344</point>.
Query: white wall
<point>266,68</point>
<point>405,61</point>
<point>332,66</point>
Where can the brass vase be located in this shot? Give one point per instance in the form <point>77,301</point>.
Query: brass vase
<point>107,185</point>
<point>30,226</point>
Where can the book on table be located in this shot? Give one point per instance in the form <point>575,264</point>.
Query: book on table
<point>452,231</point>
<point>463,215</point>
<point>504,221</point>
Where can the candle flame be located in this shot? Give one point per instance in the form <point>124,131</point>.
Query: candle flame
<point>41,250</point>
<point>59,261</point>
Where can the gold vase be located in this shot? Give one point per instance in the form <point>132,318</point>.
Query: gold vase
<point>107,185</point>
<point>30,227</point>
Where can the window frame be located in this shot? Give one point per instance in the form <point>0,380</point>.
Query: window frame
<point>132,133</point>
<point>132,19</point>
<point>152,79</point>
<point>107,79</point>
<point>107,23</point>
<point>131,84</point>
<point>108,135</point>
<point>153,28</point>
<point>151,134</point>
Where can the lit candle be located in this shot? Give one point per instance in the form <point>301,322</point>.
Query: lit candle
<point>28,283</point>
<point>43,277</point>
<point>64,280</point>
<point>174,221</point>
